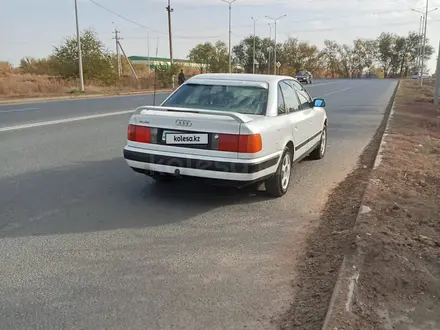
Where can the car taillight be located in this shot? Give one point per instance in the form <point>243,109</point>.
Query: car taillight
<point>137,133</point>
<point>240,143</point>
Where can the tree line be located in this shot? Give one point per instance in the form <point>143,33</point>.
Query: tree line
<point>99,63</point>
<point>390,54</point>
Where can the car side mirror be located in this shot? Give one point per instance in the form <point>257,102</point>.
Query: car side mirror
<point>319,103</point>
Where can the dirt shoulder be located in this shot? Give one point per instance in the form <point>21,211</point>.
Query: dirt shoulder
<point>390,279</point>
<point>390,251</point>
<point>326,246</point>
<point>398,241</point>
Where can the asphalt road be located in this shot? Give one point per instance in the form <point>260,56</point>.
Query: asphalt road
<point>86,243</point>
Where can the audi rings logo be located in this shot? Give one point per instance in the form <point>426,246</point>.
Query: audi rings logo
<point>185,123</point>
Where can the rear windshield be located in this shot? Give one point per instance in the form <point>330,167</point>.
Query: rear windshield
<point>301,74</point>
<point>241,99</point>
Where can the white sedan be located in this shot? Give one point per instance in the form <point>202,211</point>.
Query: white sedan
<point>230,128</point>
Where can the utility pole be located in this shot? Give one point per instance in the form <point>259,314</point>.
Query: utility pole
<point>78,37</point>
<point>149,59</point>
<point>275,50</point>
<point>128,61</point>
<point>270,48</point>
<point>169,10</point>
<point>419,55</point>
<point>424,43</point>
<point>117,38</point>
<point>424,39</point>
<point>253,59</point>
<point>155,75</point>
<point>275,39</point>
<point>230,2</point>
<point>437,78</point>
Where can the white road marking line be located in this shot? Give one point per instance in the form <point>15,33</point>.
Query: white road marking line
<point>62,121</point>
<point>338,91</point>
<point>18,110</point>
<point>321,84</point>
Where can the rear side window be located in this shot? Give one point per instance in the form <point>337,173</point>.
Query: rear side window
<point>290,97</point>
<point>281,106</point>
<point>241,99</point>
<point>302,94</point>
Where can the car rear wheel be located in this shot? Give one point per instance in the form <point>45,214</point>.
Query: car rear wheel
<point>278,184</point>
<point>320,150</point>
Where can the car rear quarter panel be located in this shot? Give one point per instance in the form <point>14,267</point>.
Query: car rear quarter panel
<point>275,135</point>
<point>275,131</point>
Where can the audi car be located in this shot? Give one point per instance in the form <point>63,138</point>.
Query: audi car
<point>237,129</point>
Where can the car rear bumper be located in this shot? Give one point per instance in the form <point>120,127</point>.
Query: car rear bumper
<point>144,160</point>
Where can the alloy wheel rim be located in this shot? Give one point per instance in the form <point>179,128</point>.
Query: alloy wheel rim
<point>285,172</point>
<point>323,141</point>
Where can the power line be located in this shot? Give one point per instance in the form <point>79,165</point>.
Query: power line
<point>284,33</point>
<point>357,27</point>
<point>202,37</point>
<point>125,18</point>
<point>317,19</point>
<point>146,27</point>
<point>183,37</point>
<point>344,28</point>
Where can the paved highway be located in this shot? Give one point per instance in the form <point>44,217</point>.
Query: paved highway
<point>86,243</point>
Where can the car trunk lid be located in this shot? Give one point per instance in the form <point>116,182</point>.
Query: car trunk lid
<point>189,131</point>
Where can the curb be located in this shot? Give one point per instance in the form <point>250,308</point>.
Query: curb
<point>344,292</point>
<point>79,97</point>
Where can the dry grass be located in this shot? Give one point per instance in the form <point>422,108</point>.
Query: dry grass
<point>14,86</point>
<point>5,68</point>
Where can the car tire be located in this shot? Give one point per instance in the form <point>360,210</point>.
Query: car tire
<point>278,184</point>
<point>320,150</point>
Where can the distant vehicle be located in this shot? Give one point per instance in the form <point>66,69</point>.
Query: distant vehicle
<point>304,77</point>
<point>237,129</point>
<point>417,76</point>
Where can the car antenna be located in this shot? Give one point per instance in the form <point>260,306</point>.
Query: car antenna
<point>155,73</point>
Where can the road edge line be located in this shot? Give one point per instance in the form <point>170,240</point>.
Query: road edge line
<point>344,292</point>
<point>63,121</point>
<point>79,97</point>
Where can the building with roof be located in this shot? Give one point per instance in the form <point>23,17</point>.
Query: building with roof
<point>156,61</point>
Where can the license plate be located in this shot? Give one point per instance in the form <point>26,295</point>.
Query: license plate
<point>185,138</point>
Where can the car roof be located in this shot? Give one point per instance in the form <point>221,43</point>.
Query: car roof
<point>242,77</point>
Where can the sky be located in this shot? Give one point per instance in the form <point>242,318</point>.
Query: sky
<point>34,27</point>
